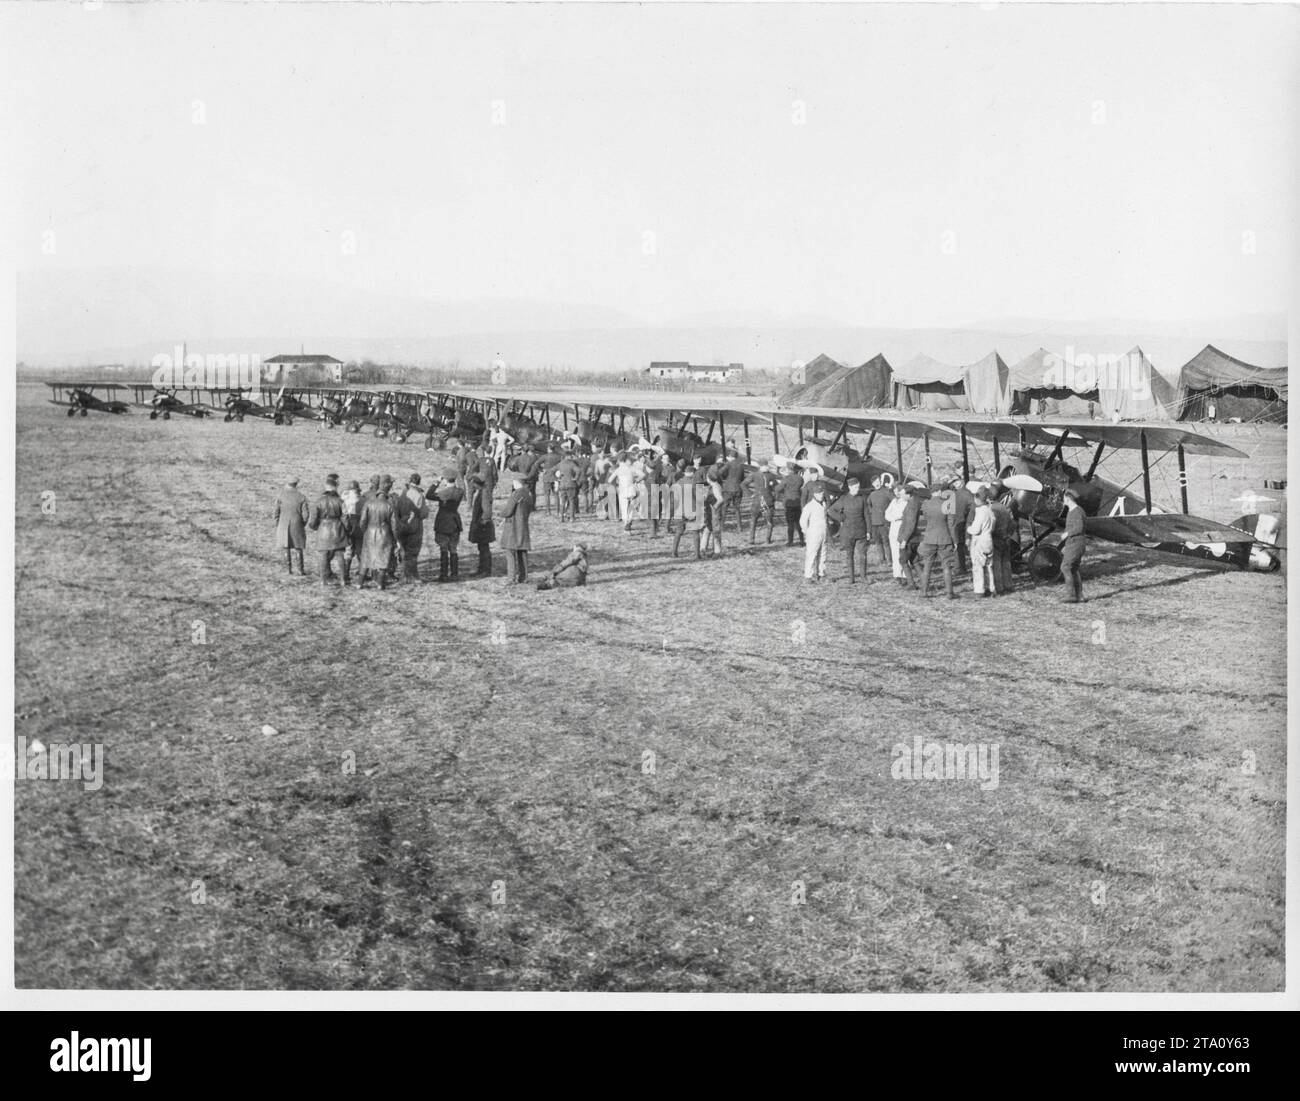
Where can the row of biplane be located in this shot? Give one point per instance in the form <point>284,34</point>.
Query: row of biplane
<point>1034,462</point>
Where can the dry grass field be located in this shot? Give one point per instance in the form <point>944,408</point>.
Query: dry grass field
<point>680,778</point>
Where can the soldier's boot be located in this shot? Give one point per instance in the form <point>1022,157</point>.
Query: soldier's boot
<point>696,533</point>
<point>925,580</point>
<point>753,530</point>
<point>443,564</point>
<point>484,562</point>
<point>717,543</point>
<point>770,524</point>
<point>288,559</point>
<point>455,567</point>
<point>677,541</point>
<point>947,580</point>
<point>346,572</point>
<point>523,566</point>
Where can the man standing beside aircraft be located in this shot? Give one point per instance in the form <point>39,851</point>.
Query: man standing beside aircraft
<point>894,514</point>
<point>812,523</point>
<point>878,502</point>
<point>983,573</point>
<point>762,486</point>
<point>291,513</point>
<point>963,502</point>
<point>566,485</point>
<point>1004,524</point>
<point>909,537</point>
<point>625,479</point>
<point>791,489</point>
<point>937,539</point>
<point>1073,542</point>
<point>851,512</point>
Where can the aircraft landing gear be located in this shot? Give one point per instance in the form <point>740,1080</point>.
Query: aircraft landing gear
<point>1044,563</point>
<point>72,412</point>
<point>154,415</point>
<point>167,415</point>
<point>429,444</point>
<point>83,412</point>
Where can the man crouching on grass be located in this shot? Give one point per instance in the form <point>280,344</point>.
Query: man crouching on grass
<point>568,573</point>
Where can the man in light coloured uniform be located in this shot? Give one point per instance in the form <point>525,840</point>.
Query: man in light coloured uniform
<point>812,522</point>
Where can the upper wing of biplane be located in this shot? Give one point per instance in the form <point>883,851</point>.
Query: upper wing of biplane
<point>1119,437</point>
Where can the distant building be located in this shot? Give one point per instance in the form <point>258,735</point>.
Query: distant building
<point>305,368</point>
<point>669,370</point>
<point>685,372</point>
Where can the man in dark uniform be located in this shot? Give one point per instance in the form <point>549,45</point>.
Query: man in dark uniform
<point>326,520</point>
<point>909,539</point>
<point>291,514</point>
<point>546,475</point>
<point>1004,525</point>
<point>762,486</point>
<point>731,475</point>
<point>515,540</point>
<point>658,477</point>
<point>791,489</point>
<point>877,502</point>
<point>566,485</point>
<point>409,513</point>
<point>963,504</point>
<point>937,539</point>
<point>482,529</point>
<point>1073,543</point>
<point>851,512</point>
<point>447,526</point>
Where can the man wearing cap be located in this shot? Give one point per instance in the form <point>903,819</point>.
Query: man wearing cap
<point>447,526</point>
<point>514,532</point>
<point>326,520</point>
<point>963,502</point>
<point>566,485</point>
<point>569,572</point>
<point>937,539</point>
<point>855,529</point>
<point>352,524</point>
<point>624,477</point>
<point>878,502</point>
<point>1004,527</point>
<point>1073,544</point>
<point>980,529</point>
<point>790,489</point>
<point>895,513</point>
<point>482,529</point>
<point>378,535</point>
<point>762,485</point>
<point>909,536</point>
<point>812,523</point>
<point>731,476</point>
<point>550,461</point>
<point>409,513</point>
<point>290,517</point>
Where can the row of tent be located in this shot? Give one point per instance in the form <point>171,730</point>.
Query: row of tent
<point>1211,386</point>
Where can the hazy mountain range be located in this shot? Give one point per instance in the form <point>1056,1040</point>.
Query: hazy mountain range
<point>77,318</point>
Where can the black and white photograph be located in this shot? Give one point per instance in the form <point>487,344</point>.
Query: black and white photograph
<point>543,501</point>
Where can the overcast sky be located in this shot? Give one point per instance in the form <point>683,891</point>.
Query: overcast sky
<point>877,165</point>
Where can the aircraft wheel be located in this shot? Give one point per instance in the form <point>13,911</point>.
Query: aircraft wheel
<point>1045,563</point>
<point>288,418</point>
<point>227,418</point>
<point>380,433</point>
<point>239,417</point>
<point>329,423</point>
<point>154,415</point>
<point>72,412</point>
<point>83,412</point>
<point>167,414</point>
<point>429,444</point>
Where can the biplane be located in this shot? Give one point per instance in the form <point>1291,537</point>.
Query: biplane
<point>1112,510</point>
<point>1029,465</point>
<point>81,397</point>
<point>163,403</point>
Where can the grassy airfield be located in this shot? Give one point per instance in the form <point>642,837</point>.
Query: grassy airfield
<point>682,778</point>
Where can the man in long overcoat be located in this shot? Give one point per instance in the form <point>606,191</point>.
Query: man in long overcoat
<point>378,535</point>
<point>514,532</point>
<point>290,515</point>
<point>326,520</point>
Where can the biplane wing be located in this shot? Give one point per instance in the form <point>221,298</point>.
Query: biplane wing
<point>1164,527</point>
<point>1117,437</point>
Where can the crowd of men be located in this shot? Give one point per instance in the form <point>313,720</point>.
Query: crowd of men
<point>380,534</point>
